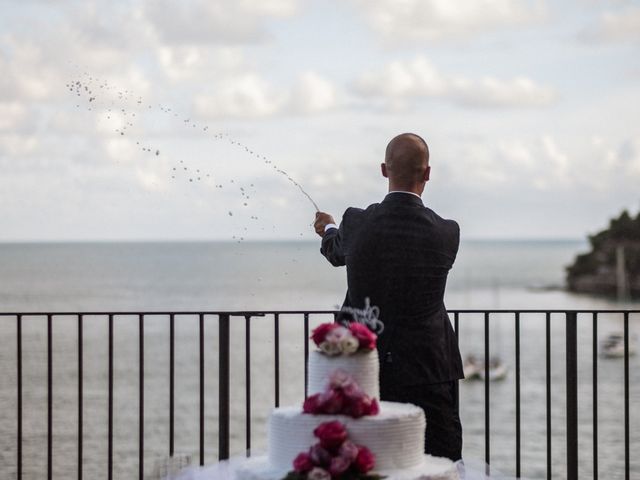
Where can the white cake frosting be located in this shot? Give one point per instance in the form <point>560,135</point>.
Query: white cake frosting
<point>395,436</point>
<point>362,366</point>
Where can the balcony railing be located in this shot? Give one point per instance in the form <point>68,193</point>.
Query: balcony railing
<point>224,322</point>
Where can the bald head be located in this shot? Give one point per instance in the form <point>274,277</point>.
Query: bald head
<point>406,162</point>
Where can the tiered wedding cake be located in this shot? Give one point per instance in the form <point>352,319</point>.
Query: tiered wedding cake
<point>342,430</point>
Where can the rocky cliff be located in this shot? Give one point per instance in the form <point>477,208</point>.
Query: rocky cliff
<point>612,266</point>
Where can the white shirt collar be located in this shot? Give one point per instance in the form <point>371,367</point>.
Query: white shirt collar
<point>410,193</point>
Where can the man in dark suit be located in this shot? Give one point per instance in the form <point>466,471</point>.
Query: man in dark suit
<point>398,254</point>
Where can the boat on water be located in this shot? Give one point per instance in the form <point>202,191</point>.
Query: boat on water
<point>474,369</point>
<point>612,346</point>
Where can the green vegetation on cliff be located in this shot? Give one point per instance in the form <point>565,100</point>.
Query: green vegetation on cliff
<point>613,262</point>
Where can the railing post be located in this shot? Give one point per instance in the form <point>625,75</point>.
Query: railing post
<point>223,388</point>
<point>572,396</point>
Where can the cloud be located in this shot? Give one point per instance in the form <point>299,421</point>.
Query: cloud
<point>401,81</point>
<point>244,96</point>
<point>214,21</point>
<point>14,145</point>
<point>313,94</point>
<point>13,115</point>
<point>198,63</point>
<point>435,20</point>
<point>249,95</point>
<point>611,27</point>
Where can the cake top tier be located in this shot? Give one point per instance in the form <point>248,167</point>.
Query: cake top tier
<point>363,367</point>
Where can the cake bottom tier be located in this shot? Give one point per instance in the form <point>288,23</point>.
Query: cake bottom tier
<point>395,435</point>
<point>430,468</point>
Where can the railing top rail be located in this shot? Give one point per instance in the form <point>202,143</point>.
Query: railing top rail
<point>256,313</point>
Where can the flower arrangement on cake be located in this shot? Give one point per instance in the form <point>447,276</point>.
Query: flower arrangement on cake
<point>334,457</point>
<point>343,396</point>
<point>335,339</point>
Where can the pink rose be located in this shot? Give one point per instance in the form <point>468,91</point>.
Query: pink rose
<point>340,379</point>
<point>353,391</point>
<point>338,466</point>
<point>358,407</point>
<point>319,456</point>
<point>319,334</point>
<point>318,474</point>
<point>302,463</point>
<point>348,450</point>
<point>336,334</point>
<point>365,336</point>
<point>365,460</point>
<point>331,434</point>
<point>312,404</point>
<point>331,401</point>
<point>374,408</point>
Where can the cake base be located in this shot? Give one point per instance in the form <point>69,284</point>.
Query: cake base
<point>432,468</point>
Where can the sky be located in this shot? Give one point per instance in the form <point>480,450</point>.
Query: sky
<point>198,116</point>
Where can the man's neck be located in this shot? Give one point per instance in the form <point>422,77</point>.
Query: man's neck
<point>405,192</point>
<point>413,190</point>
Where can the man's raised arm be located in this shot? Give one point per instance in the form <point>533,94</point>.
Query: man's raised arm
<point>332,245</point>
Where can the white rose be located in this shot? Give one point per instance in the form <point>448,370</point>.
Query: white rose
<point>349,344</point>
<point>318,473</point>
<point>330,348</point>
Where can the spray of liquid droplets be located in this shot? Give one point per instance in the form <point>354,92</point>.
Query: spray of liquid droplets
<point>85,88</point>
<point>101,94</point>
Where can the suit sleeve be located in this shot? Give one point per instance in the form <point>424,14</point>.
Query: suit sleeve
<point>333,244</point>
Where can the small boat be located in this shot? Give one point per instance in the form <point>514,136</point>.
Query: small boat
<point>612,346</point>
<point>474,369</point>
<point>471,367</point>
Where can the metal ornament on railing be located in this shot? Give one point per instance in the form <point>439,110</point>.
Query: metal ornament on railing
<point>369,316</point>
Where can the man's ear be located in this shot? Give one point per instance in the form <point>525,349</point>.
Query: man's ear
<point>383,169</point>
<point>427,173</point>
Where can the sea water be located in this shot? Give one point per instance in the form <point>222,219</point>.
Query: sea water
<point>285,276</point>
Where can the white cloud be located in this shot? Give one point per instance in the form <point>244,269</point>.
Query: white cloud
<point>15,145</point>
<point>615,27</point>
<point>13,115</point>
<point>494,92</point>
<point>244,96</point>
<point>401,81</point>
<point>313,94</point>
<point>214,21</point>
<point>249,95</point>
<point>198,63</point>
<point>432,20</point>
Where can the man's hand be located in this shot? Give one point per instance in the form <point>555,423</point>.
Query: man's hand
<point>322,220</point>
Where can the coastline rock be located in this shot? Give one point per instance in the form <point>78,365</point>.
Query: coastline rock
<point>613,263</point>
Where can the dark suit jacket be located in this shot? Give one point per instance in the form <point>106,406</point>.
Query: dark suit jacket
<point>398,253</point>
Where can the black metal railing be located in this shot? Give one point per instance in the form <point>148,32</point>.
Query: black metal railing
<point>223,427</point>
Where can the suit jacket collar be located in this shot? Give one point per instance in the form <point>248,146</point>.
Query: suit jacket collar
<point>403,197</point>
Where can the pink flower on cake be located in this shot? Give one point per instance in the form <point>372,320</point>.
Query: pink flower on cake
<point>337,334</point>
<point>365,460</point>
<point>302,463</point>
<point>340,379</point>
<point>319,334</point>
<point>338,466</point>
<point>332,401</point>
<point>318,474</point>
<point>311,404</point>
<point>348,450</point>
<point>331,434</point>
<point>319,455</point>
<point>366,338</point>
<point>374,408</point>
